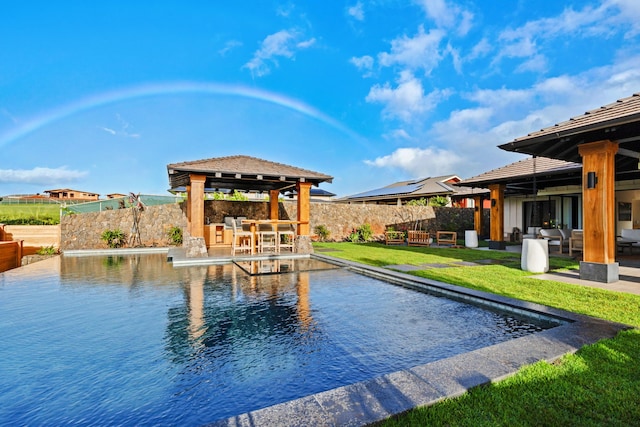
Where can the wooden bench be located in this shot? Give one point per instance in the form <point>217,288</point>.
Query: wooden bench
<point>394,237</point>
<point>446,238</point>
<point>418,238</point>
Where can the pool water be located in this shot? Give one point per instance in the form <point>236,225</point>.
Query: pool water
<point>130,340</point>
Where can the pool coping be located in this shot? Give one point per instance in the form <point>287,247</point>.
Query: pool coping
<point>374,400</point>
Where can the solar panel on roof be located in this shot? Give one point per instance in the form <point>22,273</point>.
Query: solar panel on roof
<point>388,191</point>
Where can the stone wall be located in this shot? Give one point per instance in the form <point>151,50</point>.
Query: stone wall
<point>82,231</point>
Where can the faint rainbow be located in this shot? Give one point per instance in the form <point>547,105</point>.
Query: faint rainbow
<point>169,88</point>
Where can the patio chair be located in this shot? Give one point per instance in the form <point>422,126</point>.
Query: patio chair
<point>242,240</point>
<point>286,237</point>
<point>575,242</point>
<point>267,238</point>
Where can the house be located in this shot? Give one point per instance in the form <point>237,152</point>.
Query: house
<point>116,195</point>
<point>402,192</point>
<point>538,192</point>
<point>317,195</point>
<point>605,142</point>
<point>67,194</point>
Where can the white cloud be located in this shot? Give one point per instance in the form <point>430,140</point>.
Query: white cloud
<point>364,64</point>
<point>407,100</point>
<point>284,43</point>
<point>420,162</point>
<point>414,53</point>
<point>447,15</point>
<point>124,131</point>
<point>42,176</point>
<point>398,134</point>
<point>537,63</point>
<point>356,11</point>
<point>602,21</point>
<point>229,46</point>
<point>480,50</point>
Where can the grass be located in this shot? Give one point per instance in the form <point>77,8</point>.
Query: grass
<point>29,214</point>
<point>599,385</point>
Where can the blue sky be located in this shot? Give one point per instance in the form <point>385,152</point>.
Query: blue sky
<point>101,96</point>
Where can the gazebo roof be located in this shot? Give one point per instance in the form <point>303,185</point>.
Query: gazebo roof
<point>618,121</point>
<point>243,173</point>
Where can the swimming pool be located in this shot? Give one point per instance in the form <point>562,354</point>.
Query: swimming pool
<point>131,340</point>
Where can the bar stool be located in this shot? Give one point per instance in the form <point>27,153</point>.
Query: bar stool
<point>267,238</point>
<point>286,237</point>
<point>242,240</point>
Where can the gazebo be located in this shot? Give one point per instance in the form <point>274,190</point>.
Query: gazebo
<point>243,173</point>
<point>607,143</point>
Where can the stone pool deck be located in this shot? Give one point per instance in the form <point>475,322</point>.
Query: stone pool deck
<point>374,400</point>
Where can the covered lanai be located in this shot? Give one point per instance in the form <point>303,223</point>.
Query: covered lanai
<point>243,173</point>
<point>606,141</point>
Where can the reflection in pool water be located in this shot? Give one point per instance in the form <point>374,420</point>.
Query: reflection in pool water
<point>132,340</point>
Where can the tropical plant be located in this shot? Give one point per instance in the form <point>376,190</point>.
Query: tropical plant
<point>114,238</point>
<point>175,235</point>
<point>323,232</point>
<point>365,232</point>
<point>438,201</point>
<point>47,250</point>
<point>238,196</point>
<point>417,202</point>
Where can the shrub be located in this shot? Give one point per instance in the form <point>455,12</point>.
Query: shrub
<point>114,238</point>
<point>47,250</point>
<point>175,235</point>
<point>438,201</point>
<point>417,202</point>
<point>322,232</point>
<point>364,233</point>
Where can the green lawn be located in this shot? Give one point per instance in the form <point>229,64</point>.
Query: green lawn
<point>599,385</point>
<point>34,214</point>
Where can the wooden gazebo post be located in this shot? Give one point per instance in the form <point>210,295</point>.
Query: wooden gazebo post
<point>195,210</point>
<point>477,214</point>
<point>304,202</point>
<point>598,207</point>
<point>273,204</point>
<point>497,216</point>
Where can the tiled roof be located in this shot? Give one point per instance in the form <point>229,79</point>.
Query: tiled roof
<point>621,111</point>
<point>247,165</point>
<point>522,169</point>
<point>618,122</point>
<point>243,172</point>
<point>426,187</point>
